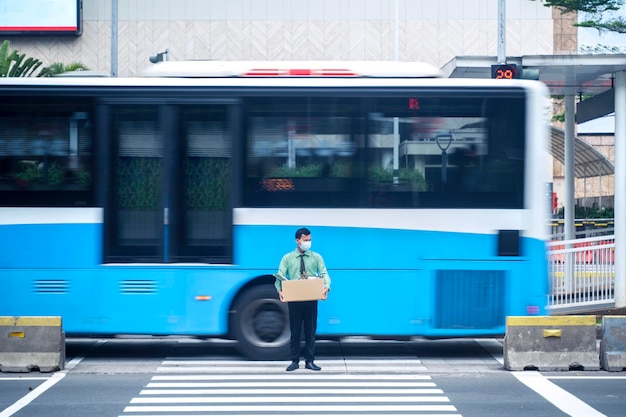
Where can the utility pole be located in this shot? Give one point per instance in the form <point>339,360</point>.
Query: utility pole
<point>501,31</point>
<point>114,38</point>
<point>396,54</point>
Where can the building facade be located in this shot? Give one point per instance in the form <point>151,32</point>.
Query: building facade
<point>405,30</point>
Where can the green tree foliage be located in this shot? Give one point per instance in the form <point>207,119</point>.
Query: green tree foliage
<point>60,68</point>
<point>599,13</point>
<point>14,64</point>
<point>585,6</point>
<point>589,213</point>
<point>601,49</point>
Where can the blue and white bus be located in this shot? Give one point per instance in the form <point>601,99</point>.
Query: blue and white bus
<point>162,204</point>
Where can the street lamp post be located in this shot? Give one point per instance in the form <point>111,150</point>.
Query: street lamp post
<point>114,38</point>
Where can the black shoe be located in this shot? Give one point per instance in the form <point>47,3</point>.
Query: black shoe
<point>312,366</point>
<point>293,366</point>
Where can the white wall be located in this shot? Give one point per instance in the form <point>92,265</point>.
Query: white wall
<point>433,31</point>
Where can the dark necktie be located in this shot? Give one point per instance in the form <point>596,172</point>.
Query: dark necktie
<point>302,269</point>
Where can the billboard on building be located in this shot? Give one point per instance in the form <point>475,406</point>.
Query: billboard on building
<point>41,17</point>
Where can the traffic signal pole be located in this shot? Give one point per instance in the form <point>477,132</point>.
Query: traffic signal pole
<point>501,31</point>
<point>620,189</point>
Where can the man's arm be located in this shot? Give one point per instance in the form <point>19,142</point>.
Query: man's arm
<point>281,275</point>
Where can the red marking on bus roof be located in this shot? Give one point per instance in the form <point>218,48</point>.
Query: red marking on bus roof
<point>299,72</point>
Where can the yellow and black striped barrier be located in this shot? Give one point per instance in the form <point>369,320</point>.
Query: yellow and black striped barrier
<point>551,343</point>
<point>30,343</point>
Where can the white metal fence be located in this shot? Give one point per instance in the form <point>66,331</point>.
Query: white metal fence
<point>582,273</point>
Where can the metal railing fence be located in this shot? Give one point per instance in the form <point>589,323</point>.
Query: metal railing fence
<point>581,273</point>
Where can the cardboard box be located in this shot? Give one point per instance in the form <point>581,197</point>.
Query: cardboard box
<point>303,289</point>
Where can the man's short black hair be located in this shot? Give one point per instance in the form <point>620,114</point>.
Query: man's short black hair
<point>302,231</point>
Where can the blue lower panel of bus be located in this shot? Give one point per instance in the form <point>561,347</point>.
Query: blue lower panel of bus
<point>412,282</point>
<point>119,300</point>
<point>447,298</point>
<point>51,246</point>
<point>386,282</point>
<point>468,299</point>
<point>125,300</point>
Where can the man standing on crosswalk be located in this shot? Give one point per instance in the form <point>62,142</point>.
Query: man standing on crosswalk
<point>297,264</point>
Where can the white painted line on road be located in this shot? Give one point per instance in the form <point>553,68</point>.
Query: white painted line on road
<point>494,347</point>
<point>563,400</point>
<point>585,377</point>
<point>291,377</point>
<point>266,371</point>
<point>23,378</point>
<point>28,398</point>
<point>283,400</point>
<point>286,408</point>
<point>308,414</point>
<point>252,364</point>
<point>294,384</point>
<point>556,395</point>
<point>291,391</point>
<point>50,382</point>
<point>329,365</point>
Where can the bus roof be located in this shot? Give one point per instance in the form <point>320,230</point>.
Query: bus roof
<point>65,85</point>
<point>220,69</point>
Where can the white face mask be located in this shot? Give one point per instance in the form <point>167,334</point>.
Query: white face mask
<point>305,245</point>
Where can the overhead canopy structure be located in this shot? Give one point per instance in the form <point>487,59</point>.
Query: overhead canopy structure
<point>563,74</point>
<point>589,162</point>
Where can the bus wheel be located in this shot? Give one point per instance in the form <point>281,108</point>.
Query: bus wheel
<point>261,324</point>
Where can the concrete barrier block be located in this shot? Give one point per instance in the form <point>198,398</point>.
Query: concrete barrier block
<point>31,343</point>
<point>612,343</point>
<point>551,343</point>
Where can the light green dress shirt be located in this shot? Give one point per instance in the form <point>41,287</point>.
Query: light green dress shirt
<point>289,267</point>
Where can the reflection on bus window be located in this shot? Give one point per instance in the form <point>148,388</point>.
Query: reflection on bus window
<point>436,153</point>
<point>302,152</point>
<point>412,152</point>
<point>45,156</point>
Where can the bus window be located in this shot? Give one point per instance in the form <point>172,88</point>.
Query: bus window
<point>302,152</point>
<point>45,152</point>
<point>442,153</point>
<point>201,221</point>
<point>134,215</point>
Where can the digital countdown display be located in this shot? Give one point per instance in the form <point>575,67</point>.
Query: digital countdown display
<point>504,71</point>
<point>41,17</point>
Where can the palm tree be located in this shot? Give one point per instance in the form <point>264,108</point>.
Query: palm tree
<point>13,64</point>
<point>59,68</point>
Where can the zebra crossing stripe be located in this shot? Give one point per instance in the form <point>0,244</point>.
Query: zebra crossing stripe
<point>293,377</point>
<point>382,388</point>
<point>313,415</point>
<point>331,365</point>
<point>280,408</point>
<point>290,399</point>
<point>294,384</point>
<point>253,364</point>
<point>291,391</point>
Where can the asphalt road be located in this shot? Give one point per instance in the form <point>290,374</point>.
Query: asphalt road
<point>141,377</point>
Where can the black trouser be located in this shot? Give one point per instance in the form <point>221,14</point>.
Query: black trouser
<point>303,313</point>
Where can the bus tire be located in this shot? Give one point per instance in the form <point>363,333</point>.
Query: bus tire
<point>260,324</point>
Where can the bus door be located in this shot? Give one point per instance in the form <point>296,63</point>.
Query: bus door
<point>167,188</point>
